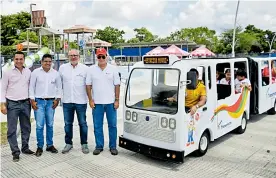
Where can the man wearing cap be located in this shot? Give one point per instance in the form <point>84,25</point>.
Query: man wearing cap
<point>103,90</point>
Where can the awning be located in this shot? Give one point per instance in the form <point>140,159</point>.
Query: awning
<point>31,45</point>
<point>98,43</point>
<point>175,50</point>
<point>49,31</point>
<point>155,51</point>
<point>202,51</point>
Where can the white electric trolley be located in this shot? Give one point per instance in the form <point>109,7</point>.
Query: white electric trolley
<point>162,129</point>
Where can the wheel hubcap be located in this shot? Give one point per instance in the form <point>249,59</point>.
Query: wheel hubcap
<point>243,123</point>
<point>203,143</point>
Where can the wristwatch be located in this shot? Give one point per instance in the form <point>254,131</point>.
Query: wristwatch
<point>116,99</point>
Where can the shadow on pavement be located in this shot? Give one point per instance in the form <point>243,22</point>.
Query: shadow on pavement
<point>256,118</point>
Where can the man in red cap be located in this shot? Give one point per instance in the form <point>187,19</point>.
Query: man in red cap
<point>103,91</point>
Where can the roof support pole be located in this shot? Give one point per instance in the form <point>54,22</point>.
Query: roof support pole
<point>54,45</point>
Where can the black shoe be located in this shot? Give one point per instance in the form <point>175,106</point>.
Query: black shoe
<point>39,152</point>
<point>97,151</point>
<point>114,151</point>
<point>15,158</point>
<point>28,152</point>
<point>52,149</point>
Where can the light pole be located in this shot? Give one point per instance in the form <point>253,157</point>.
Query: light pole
<point>187,42</point>
<point>31,26</point>
<point>270,43</point>
<point>31,11</point>
<point>234,32</point>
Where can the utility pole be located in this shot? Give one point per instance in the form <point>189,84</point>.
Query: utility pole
<point>31,26</point>
<point>234,32</point>
<point>271,44</point>
<point>31,11</point>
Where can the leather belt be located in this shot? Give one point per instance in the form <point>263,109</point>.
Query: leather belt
<point>19,101</point>
<point>45,98</point>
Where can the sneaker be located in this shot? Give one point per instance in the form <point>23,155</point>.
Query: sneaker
<point>114,151</point>
<point>52,149</point>
<point>67,148</point>
<point>28,152</point>
<point>84,148</point>
<point>15,158</point>
<point>39,152</point>
<point>97,151</point>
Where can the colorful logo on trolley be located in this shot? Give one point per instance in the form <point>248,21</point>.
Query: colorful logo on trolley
<point>235,110</point>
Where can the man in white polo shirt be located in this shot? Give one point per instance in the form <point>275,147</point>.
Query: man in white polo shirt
<point>104,81</point>
<point>73,76</point>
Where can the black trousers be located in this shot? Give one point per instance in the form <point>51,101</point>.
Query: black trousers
<point>18,110</point>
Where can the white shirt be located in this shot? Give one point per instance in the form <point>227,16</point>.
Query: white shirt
<point>45,84</point>
<point>73,83</point>
<point>103,83</point>
<point>224,82</point>
<point>239,83</point>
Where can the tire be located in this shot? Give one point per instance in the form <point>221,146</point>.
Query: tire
<point>272,111</point>
<point>241,129</point>
<point>203,144</point>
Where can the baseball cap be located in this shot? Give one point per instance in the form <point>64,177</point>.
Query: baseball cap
<point>101,51</point>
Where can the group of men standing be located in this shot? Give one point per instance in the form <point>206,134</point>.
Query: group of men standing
<point>76,84</point>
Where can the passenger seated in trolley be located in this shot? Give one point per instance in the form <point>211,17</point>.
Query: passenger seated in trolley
<point>227,79</point>
<point>265,72</point>
<point>217,77</point>
<point>241,81</point>
<point>194,98</point>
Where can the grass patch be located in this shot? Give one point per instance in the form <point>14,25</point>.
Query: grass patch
<point>4,129</point>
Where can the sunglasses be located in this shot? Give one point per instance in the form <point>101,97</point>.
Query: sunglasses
<point>99,57</point>
<point>73,55</point>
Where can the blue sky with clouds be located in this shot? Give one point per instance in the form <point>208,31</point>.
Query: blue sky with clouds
<point>161,17</point>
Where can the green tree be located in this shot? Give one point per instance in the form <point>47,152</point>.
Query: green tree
<point>245,42</point>
<point>226,39</point>
<point>144,35</point>
<point>261,37</point>
<point>111,35</point>
<point>11,25</point>
<point>199,35</point>
<point>133,40</point>
<point>23,37</point>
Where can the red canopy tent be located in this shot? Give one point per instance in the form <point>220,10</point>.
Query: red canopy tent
<point>202,51</point>
<point>155,51</point>
<point>175,50</point>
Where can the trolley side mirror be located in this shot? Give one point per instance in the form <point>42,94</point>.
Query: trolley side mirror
<point>192,77</point>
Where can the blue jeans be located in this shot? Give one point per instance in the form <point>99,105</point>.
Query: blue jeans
<point>190,137</point>
<point>44,113</point>
<point>69,112</point>
<point>98,116</point>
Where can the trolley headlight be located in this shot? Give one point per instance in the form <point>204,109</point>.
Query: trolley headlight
<point>164,122</point>
<point>134,116</point>
<point>172,123</point>
<point>128,115</point>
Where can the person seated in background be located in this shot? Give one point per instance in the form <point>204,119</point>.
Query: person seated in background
<point>227,79</point>
<point>217,77</point>
<point>265,72</point>
<point>194,98</point>
<point>241,81</point>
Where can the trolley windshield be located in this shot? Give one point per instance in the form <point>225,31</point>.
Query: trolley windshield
<point>148,89</point>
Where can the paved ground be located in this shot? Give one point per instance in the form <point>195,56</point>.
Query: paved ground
<point>251,155</point>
